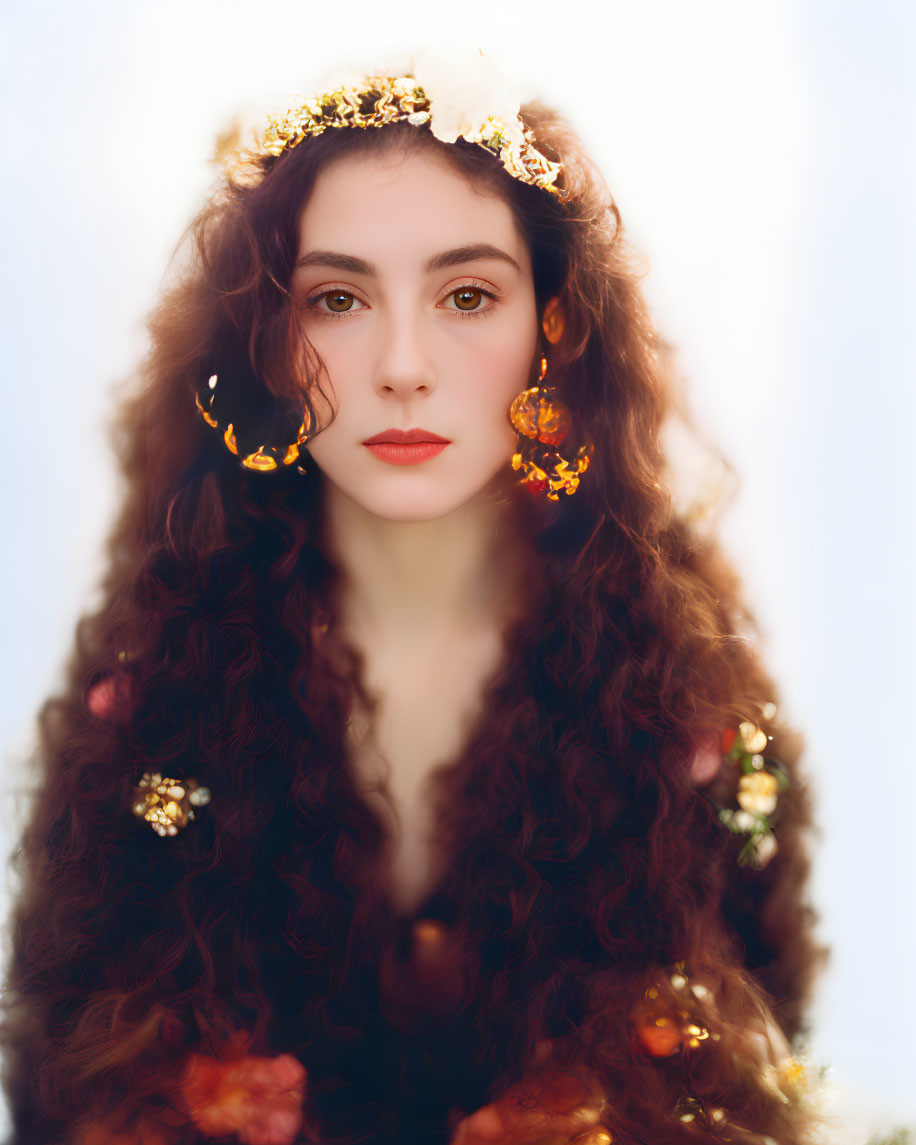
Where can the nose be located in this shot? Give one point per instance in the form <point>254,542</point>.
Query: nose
<point>405,366</point>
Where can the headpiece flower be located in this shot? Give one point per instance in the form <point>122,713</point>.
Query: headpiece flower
<point>474,104</point>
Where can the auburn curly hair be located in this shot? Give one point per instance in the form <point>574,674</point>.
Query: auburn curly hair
<point>584,861</point>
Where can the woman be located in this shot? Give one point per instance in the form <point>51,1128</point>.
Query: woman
<point>412,784</point>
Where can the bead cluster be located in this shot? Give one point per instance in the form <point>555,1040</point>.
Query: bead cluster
<point>168,804</point>
<point>670,1018</point>
<point>691,1111</point>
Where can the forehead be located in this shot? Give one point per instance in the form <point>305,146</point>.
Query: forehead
<point>401,203</point>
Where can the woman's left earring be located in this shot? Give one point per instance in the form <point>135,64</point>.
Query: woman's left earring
<point>266,457</point>
<point>542,423</point>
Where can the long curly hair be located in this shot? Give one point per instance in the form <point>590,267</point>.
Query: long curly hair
<point>583,860</point>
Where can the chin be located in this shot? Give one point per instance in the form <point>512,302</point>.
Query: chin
<point>413,500</point>
<point>413,509</point>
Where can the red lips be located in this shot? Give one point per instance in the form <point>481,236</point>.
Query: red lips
<point>405,437</point>
<point>406,446</point>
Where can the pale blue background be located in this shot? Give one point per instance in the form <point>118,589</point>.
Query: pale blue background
<point>762,155</point>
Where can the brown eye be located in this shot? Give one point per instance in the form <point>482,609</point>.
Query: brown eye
<point>339,301</point>
<point>467,298</point>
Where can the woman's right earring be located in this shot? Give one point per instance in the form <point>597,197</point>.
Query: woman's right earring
<point>542,423</point>
<point>266,457</point>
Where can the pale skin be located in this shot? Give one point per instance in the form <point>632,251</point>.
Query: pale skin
<point>429,556</point>
<point>416,290</point>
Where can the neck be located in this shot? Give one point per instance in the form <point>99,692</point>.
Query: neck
<point>417,580</point>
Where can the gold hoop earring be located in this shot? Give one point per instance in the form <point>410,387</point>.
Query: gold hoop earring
<point>542,423</point>
<point>266,457</point>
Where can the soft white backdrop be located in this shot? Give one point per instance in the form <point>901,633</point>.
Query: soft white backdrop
<point>762,154</point>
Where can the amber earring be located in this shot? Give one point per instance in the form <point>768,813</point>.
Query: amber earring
<point>542,423</point>
<point>266,457</point>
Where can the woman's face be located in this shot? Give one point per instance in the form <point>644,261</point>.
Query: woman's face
<point>416,291</point>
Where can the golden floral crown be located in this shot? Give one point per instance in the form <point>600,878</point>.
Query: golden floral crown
<point>381,100</point>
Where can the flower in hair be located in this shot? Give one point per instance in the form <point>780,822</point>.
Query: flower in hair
<point>110,697</point>
<point>465,99</point>
<point>259,1099</point>
<point>706,761</point>
<point>465,95</point>
<point>760,781</point>
<point>758,792</point>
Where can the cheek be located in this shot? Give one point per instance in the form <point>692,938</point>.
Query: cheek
<point>497,375</point>
<point>500,348</point>
<point>343,366</point>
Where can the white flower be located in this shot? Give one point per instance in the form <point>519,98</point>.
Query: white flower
<point>758,792</point>
<point>744,821</point>
<point>765,848</point>
<point>753,738</point>
<point>465,92</point>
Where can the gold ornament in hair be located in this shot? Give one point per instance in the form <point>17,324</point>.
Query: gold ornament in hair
<point>671,1018</point>
<point>266,457</point>
<point>691,1111</point>
<point>381,100</point>
<point>168,804</point>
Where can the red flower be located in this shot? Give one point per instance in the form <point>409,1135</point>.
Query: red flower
<point>257,1098</point>
<point>729,735</point>
<point>110,698</point>
<point>661,1041</point>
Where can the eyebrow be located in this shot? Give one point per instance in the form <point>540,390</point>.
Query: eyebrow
<point>473,252</point>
